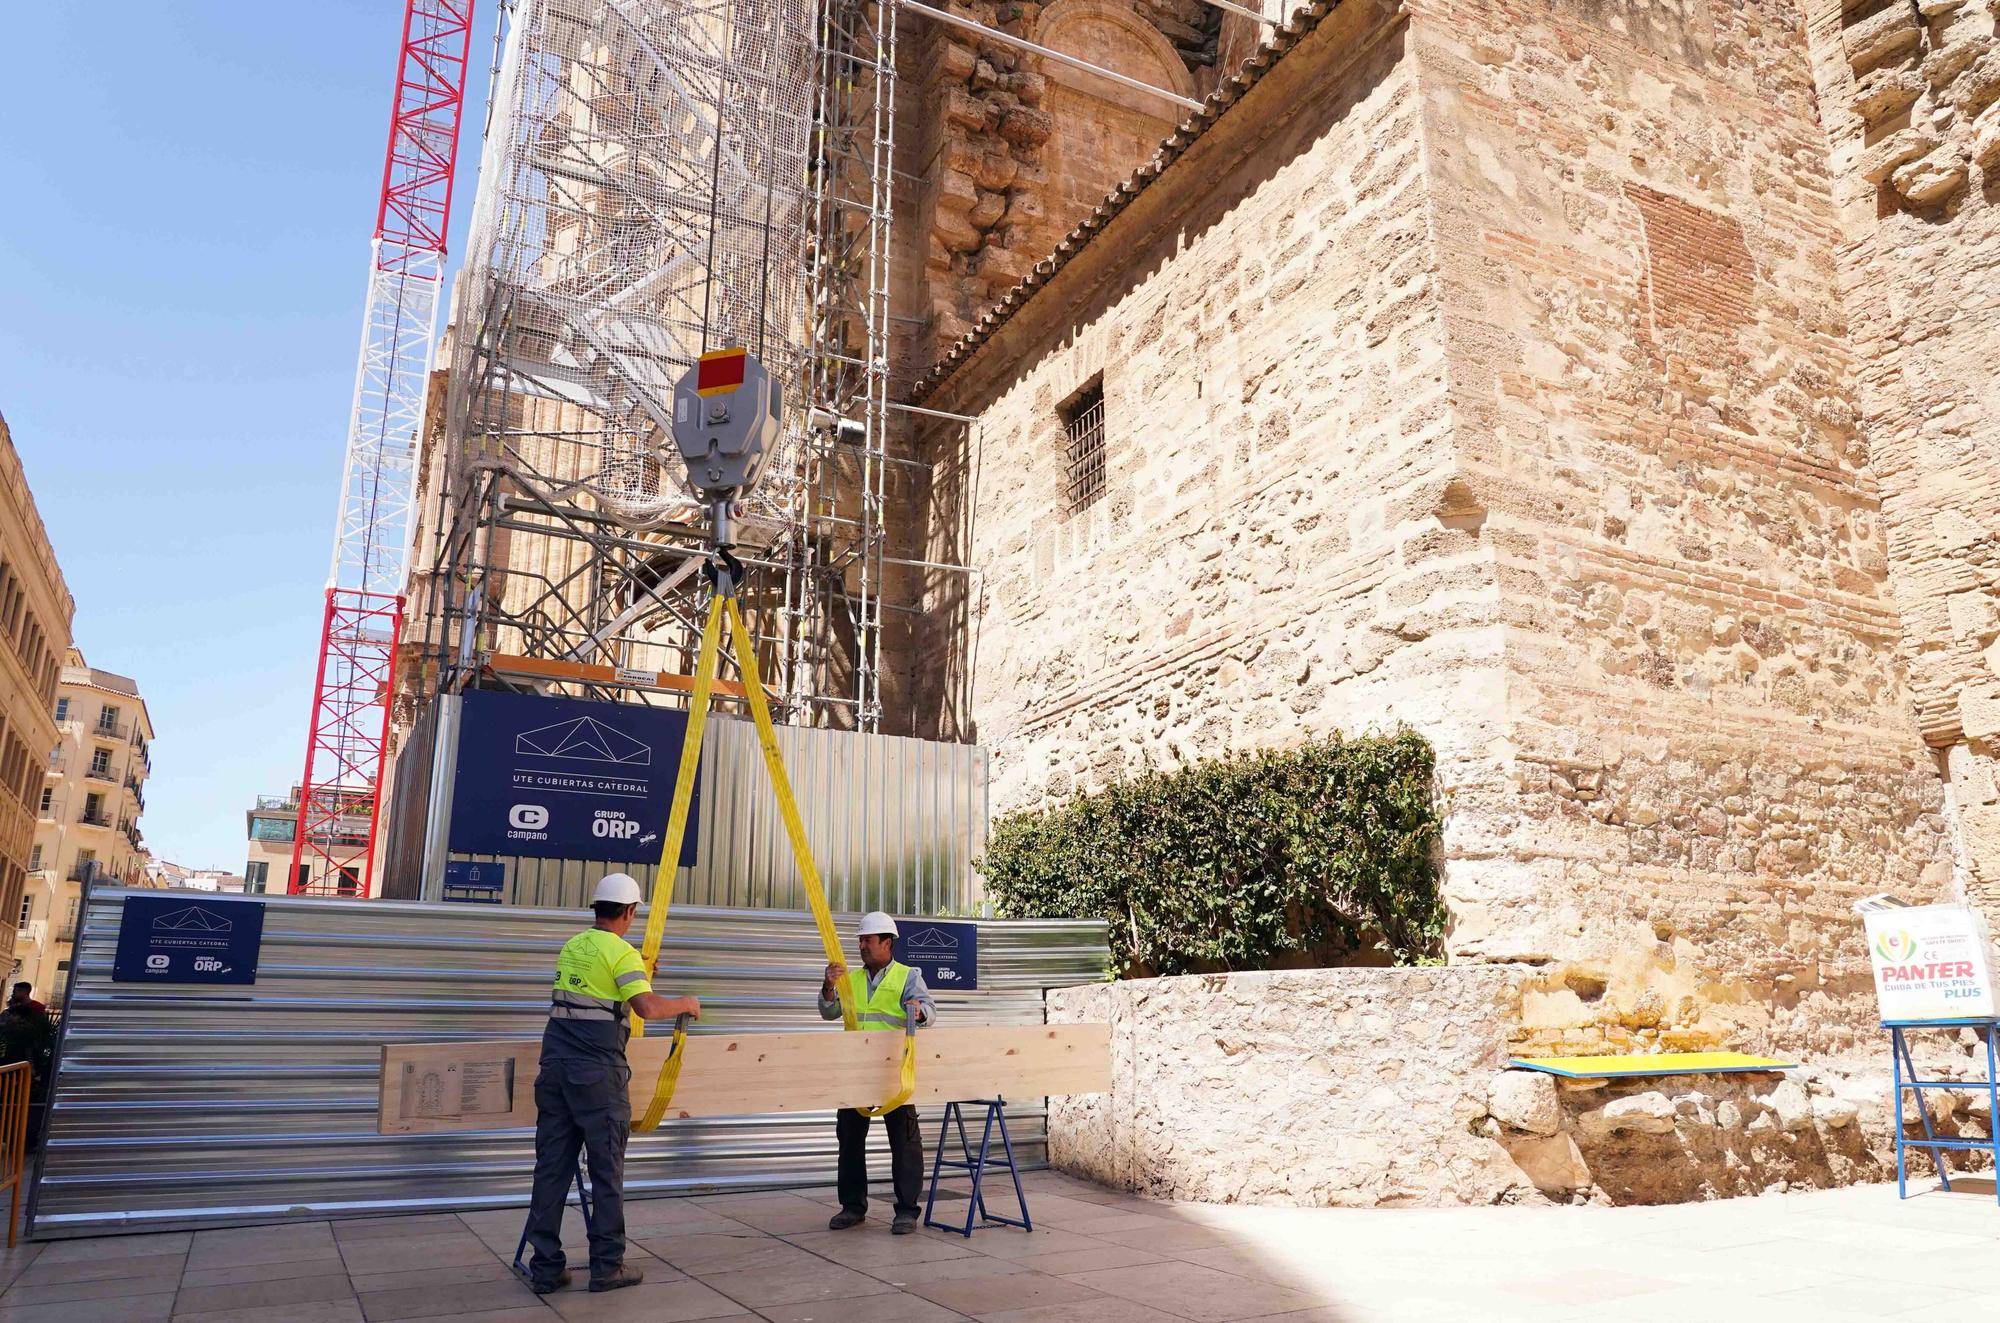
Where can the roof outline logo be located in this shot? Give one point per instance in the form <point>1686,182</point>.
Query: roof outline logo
<point>583,739</point>
<point>930,939</point>
<point>193,919</point>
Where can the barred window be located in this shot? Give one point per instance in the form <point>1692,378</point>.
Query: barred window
<point>1083,447</point>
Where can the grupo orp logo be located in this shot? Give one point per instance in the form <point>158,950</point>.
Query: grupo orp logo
<point>1895,946</point>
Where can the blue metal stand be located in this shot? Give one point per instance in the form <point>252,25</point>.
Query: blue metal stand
<point>1906,1078</point>
<point>582,1202</point>
<point>975,1207</point>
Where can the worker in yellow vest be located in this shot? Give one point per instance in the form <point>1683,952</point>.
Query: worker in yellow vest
<point>887,995</point>
<point>583,1091</point>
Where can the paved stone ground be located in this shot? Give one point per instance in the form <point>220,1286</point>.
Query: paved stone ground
<point>1095,1257</point>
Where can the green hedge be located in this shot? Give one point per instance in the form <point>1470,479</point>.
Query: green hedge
<point>1288,858</point>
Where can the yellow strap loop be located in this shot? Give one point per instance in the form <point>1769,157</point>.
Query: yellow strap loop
<point>670,1075</point>
<point>709,659</point>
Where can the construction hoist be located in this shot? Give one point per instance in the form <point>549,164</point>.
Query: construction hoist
<point>727,419</point>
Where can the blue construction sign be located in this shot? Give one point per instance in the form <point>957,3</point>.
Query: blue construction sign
<point>947,954</point>
<point>480,883</point>
<point>177,938</point>
<point>566,778</point>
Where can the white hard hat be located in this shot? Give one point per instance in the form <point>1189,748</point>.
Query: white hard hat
<point>877,924</point>
<point>618,888</point>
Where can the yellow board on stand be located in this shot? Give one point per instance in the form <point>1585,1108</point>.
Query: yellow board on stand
<point>1658,1063</point>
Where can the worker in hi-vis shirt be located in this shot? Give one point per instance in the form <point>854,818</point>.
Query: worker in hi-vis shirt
<point>887,995</point>
<point>582,1095</point>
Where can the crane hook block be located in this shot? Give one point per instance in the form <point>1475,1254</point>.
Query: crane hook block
<point>727,416</point>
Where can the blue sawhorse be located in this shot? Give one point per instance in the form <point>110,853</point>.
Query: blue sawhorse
<point>582,1202</point>
<point>975,1206</point>
<point>1906,1078</point>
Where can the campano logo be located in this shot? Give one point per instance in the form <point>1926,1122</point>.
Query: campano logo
<point>157,962</point>
<point>1895,947</point>
<point>528,817</point>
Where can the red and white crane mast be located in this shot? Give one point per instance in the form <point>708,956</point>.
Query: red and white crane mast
<point>340,793</point>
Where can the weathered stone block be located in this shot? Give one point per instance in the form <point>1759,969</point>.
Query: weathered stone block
<point>1974,615</point>
<point>1979,86</point>
<point>1887,35</point>
<point>1979,712</point>
<point>1644,1114</point>
<point>1931,180</point>
<point>1025,126</point>
<point>1525,1100</point>
<point>1986,141</point>
<point>1886,93</point>
<point>1881,160</point>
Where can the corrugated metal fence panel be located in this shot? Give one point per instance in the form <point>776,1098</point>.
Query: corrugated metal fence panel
<point>182,1106</point>
<point>895,824</point>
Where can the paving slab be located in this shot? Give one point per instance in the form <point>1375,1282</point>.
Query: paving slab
<point>430,1302</point>
<point>144,1245</point>
<point>123,1309</point>
<point>327,1263</point>
<point>655,1302</point>
<point>898,1308</point>
<point>275,1296</point>
<point>792,1284</point>
<point>998,1292</point>
<point>1205,1295</point>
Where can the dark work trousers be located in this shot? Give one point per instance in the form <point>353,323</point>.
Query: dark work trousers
<point>906,1158</point>
<point>579,1105</point>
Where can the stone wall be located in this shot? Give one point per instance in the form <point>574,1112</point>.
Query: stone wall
<point>1001,151</point>
<point>1910,99</point>
<point>1391,1087</point>
<point>1654,402</point>
<point>1484,369</point>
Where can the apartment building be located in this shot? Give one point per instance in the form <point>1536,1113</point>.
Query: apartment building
<point>272,825</point>
<point>87,824</point>
<point>35,612</point>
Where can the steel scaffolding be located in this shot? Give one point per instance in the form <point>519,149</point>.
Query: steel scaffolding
<point>659,178</point>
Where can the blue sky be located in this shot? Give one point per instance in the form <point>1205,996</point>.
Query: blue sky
<point>186,195</point>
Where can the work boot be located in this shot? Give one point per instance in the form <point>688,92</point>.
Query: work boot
<point>625,1275</point>
<point>845,1218</point>
<point>904,1225</point>
<point>544,1288</point>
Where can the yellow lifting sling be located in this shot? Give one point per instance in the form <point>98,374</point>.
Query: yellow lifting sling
<point>724,603</point>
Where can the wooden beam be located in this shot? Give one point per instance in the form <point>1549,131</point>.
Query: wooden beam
<point>544,668</point>
<point>433,1087</point>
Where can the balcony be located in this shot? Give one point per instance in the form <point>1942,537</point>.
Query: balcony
<point>112,730</point>
<point>288,803</point>
<point>67,933</point>
<point>96,773</point>
<point>94,820</point>
<point>58,762</point>
<point>81,872</point>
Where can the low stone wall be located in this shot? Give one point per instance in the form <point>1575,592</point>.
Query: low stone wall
<point>1390,1087</point>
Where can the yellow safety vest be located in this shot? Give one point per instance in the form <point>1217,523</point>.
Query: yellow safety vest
<point>596,974</point>
<point>883,1008</point>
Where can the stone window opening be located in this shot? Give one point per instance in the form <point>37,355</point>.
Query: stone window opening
<point>1083,447</point>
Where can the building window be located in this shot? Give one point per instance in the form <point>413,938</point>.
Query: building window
<point>1083,447</point>
<point>350,881</point>
<point>304,876</point>
<point>48,798</point>
<point>255,874</point>
<point>100,761</point>
<point>273,829</point>
<point>62,709</point>
<point>107,717</point>
<point>93,809</point>
<point>27,910</point>
<point>34,858</point>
